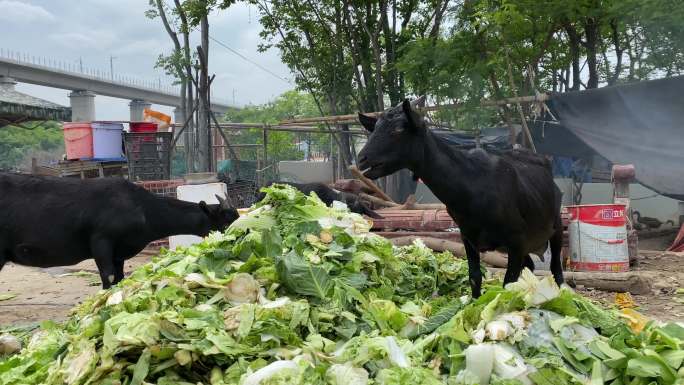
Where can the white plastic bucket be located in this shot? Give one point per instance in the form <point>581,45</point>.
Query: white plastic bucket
<point>107,140</point>
<point>598,238</point>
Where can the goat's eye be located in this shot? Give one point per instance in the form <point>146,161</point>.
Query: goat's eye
<point>398,130</point>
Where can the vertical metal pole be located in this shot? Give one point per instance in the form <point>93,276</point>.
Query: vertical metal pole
<point>265,133</point>
<point>332,158</point>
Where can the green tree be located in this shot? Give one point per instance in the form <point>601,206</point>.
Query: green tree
<point>344,52</point>
<point>184,17</point>
<point>19,144</point>
<point>550,46</point>
<point>281,145</point>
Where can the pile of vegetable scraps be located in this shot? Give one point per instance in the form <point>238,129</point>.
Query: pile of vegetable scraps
<point>295,292</point>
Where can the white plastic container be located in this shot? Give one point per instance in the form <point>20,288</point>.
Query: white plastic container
<point>107,140</point>
<point>196,193</point>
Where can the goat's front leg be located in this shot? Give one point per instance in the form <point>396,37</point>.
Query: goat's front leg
<point>556,244</point>
<point>528,262</point>
<point>102,250</point>
<point>515,262</point>
<point>474,270</point>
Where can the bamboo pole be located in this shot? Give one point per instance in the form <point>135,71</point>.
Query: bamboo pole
<point>359,175</point>
<point>485,103</point>
<point>526,129</point>
<point>300,129</point>
<point>378,201</point>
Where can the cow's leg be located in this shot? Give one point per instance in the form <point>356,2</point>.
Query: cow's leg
<point>528,262</point>
<point>103,252</point>
<point>474,272</point>
<point>118,269</point>
<point>556,242</point>
<point>515,264</point>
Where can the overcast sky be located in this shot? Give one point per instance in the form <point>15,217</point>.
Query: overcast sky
<point>94,30</point>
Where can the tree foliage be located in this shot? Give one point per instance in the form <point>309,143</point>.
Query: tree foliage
<point>362,54</point>
<point>281,145</point>
<point>19,144</point>
<point>553,45</point>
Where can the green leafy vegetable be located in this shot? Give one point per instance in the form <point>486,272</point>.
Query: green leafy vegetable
<point>295,292</point>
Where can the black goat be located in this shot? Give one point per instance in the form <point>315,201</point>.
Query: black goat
<point>50,222</point>
<point>328,195</point>
<point>505,201</point>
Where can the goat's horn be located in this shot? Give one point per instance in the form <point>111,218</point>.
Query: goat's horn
<point>419,102</point>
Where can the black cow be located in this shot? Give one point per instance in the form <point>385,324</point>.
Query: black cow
<point>506,201</point>
<point>47,222</point>
<point>328,195</point>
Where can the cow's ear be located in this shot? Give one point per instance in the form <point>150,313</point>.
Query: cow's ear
<point>415,121</point>
<point>368,122</point>
<point>204,207</point>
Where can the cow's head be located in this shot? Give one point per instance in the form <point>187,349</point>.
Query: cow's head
<point>220,215</point>
<point>396,140</point>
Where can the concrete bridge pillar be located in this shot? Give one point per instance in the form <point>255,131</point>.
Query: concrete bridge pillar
<point>137,108</point>
<point>7,83</point>
<point>178,120</point>
<point>178,117</point>
<point>82,106</point>
<point>219,116</point>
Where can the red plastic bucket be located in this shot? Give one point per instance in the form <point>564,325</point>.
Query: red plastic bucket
<point>143,127</point>
<point>78,140</point>
<point>598,238</point>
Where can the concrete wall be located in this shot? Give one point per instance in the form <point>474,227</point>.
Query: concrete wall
<point>652,204</point>
<point>305,172</point>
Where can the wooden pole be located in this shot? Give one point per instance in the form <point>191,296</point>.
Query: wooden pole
<point>358,175</point>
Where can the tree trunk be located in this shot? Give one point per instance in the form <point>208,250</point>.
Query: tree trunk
<point>591,29</point>
<point>374,37</point>
<point>180,74</point>
<point>189,99</point>
<point>366,57</point>
<point>204,145</point>
<point>574,45</point>
<point>618,52</point>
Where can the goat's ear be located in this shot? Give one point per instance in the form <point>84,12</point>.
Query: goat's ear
<point>414,119</point>
<point>368,122</point>
<point>420,102</point>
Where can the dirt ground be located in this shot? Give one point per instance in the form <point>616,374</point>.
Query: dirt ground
<point>665,303</point>
<point>49,294</point>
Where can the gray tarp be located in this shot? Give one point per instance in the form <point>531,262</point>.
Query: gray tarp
<point>639,123</point>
